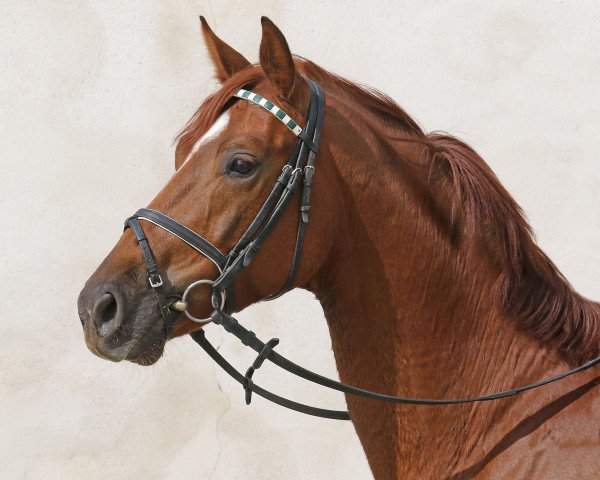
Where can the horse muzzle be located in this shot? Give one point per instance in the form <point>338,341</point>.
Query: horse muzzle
<point>116,329</point>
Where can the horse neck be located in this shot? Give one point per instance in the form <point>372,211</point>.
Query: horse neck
<point>411,312</point>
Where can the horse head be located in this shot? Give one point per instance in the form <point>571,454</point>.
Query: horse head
<point>227,160</point>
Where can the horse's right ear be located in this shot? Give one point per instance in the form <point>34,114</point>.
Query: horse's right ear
<point>227,60</point>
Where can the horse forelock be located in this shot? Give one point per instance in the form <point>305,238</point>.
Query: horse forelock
<point>210,109</point>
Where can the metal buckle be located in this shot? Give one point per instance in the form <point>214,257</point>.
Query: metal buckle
<point>157,283</point>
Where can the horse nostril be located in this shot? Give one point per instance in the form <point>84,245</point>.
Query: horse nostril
<point>110,310</point>
<point>106,314</point>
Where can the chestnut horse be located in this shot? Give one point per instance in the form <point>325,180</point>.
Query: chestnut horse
<point>427,272</point>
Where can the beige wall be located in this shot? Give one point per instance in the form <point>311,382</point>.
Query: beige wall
<point>92,92</point>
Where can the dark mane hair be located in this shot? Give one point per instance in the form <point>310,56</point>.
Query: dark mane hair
<point>531,289</point>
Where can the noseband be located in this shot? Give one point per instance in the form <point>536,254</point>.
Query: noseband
<point>297,172</point>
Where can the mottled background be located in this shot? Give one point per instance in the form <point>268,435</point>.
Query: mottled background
<point>92,93</point>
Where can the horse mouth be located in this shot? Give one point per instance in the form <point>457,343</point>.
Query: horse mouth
<point>148,348</point>
<point>143,343</point>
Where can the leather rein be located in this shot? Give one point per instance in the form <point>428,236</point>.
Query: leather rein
<point>296,174</point>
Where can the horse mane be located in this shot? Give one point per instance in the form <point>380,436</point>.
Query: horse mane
<point>530,289</point>
<point>377,103</point>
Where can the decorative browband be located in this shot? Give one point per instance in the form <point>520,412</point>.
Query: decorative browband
<point>270,107</point>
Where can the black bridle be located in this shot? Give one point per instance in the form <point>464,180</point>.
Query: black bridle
<point>297,173</point>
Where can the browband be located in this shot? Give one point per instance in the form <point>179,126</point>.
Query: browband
<point>280,115</point>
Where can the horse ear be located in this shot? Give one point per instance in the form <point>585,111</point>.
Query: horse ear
<point>276,59</point>
<point>227,60</point>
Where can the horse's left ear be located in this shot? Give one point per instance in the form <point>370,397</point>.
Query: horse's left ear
<point>227,60</point>
<point>276,60</point>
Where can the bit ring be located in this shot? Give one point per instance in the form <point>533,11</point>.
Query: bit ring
<point>186,293</point>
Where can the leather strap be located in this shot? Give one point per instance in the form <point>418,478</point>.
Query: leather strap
<point>249,338</point>
<point>182,232</point>
<point>154,277</point>
<point>309,170</point>
<point>249,385</point>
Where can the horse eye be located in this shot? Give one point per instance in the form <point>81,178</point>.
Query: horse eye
<point>241,167</point>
